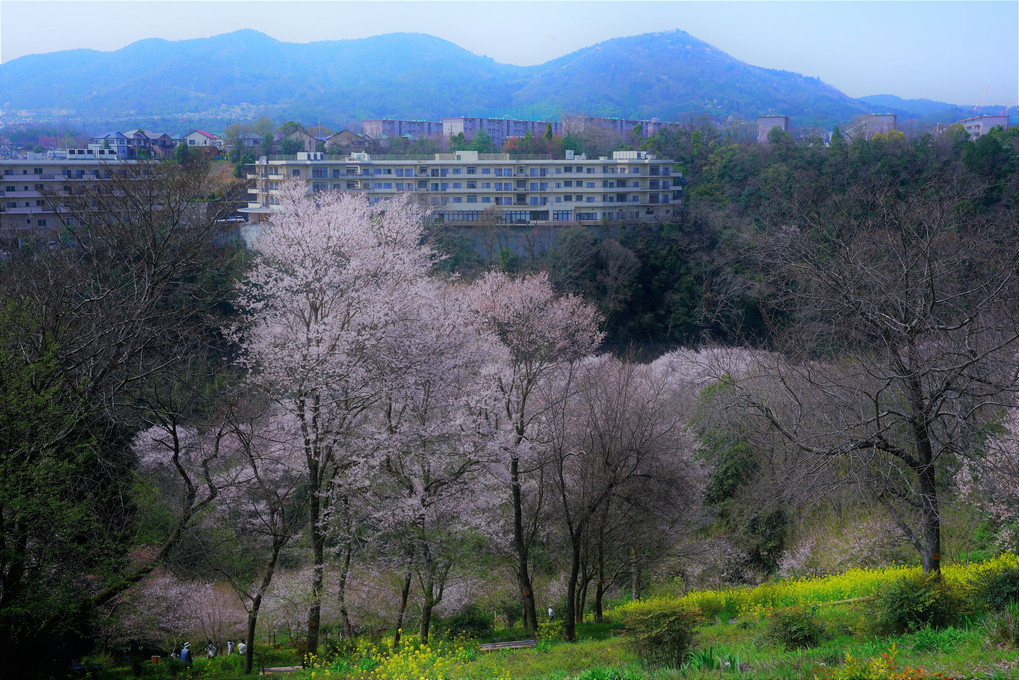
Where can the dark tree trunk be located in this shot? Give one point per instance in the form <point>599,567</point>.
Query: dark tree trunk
<point>520,545</point>
<point>404,597</point>
<point>635,566</point>
<point>569,620</point>
<point>348,630</point>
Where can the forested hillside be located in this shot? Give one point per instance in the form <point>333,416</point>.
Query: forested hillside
<point>330,442</point>
<point>243,75</point>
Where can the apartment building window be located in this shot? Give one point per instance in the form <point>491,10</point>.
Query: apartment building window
<point>568,168</point>
<point>568,183</point>
<point>378,185</point>
<point>456,185</point>
<point>445,186</point>
<point>562,215</point>
<point>590,199</point>
<point>534,186</point>
<point>296,172</point>
<point>558,171</point>
<point>634,184</point>
<point>399,186</point>
<point>486,171</point>
<point>10,188</point>
<point>472,199</point>
<point>587,216</point>
<point>590,171</point>
<point>435,186</point>
<point>12,204</point>
<point>558,199</point>
<point>41,223</point>
<point>498,172</point>
<point>456,171</point>
<point>486,185</point>
<point>37,171</point>
<point>590,185</point>
<point>457,199</point>
<point>443,172</point>
<point>487,199</point>
<point>435,172</point>
<point>472,185</point>
<point>471,170</point>
<point>422,184</point>
<point>533,172</point>
<point>319,173</point>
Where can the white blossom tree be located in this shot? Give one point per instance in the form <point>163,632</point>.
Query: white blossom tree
<point>541,332</point>
<point>328,284</point>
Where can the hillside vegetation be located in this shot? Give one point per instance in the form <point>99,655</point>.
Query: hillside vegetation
<point>795,406</point>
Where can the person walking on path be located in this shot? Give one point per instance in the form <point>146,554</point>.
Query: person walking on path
<point>185,655</point>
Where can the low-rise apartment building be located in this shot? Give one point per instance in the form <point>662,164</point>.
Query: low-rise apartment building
<point>385,128</point>
<point>25,210</point>
<point>499,129</point>
<point>468,187</point>
<point>978,126</point>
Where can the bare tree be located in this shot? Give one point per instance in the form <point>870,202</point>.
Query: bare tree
<point>897,324</point>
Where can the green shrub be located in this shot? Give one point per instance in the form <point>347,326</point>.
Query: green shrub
<point>996,589</point>
<point>914,603</point>
<point>1002,628</point>
<point>660,631</point>
<point>470,622</point>
<point>795,628</point>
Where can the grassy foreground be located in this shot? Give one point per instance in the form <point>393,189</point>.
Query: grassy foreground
<point>847,643</point>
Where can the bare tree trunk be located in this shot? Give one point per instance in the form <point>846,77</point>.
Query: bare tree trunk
<point>348,630</point>
<point>404,597</point>
<point>523,575</point>
<point>569,620</point>
<point>635,566</point>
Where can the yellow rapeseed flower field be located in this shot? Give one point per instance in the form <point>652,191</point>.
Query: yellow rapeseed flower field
<point>756,601</point>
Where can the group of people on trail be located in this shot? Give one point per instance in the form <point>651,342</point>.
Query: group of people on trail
<point>187,658</point>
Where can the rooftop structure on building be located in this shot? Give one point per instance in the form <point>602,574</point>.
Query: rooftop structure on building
<point>977,126</point>
<point>467,187</point>
<point>865,127</point>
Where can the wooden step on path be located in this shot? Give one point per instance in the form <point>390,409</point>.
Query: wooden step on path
<point>280,669</point>
<point>514,644</point>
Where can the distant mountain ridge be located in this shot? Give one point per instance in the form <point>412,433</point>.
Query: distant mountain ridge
<point>244,74</point>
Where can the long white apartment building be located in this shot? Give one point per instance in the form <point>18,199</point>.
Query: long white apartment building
<point>469,187</point>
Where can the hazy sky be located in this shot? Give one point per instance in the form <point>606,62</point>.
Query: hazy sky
<point>958,52</point>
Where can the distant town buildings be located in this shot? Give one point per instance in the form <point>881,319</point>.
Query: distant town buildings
<point>466,187</point>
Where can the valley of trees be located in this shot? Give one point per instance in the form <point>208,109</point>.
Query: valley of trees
<point>357,426</point>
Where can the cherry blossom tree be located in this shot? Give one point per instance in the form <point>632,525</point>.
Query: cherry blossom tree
<point>541,332</point>
<point>329,282</point>
<point>433,434</point>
